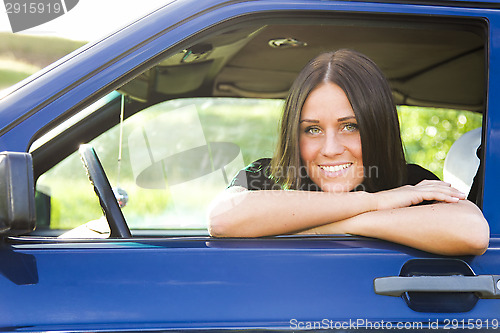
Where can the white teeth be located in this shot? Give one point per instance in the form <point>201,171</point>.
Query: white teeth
<point>335,168</point>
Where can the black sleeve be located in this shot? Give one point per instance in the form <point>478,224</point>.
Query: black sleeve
<point>255,177</point>
<point>416,174</point>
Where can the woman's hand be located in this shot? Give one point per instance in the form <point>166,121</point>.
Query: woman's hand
<point>453,229</point>
<point>409,195</point>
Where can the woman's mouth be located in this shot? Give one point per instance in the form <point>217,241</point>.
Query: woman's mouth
<point>335,168</point>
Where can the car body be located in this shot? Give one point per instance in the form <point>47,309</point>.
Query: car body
<point>184,58</point>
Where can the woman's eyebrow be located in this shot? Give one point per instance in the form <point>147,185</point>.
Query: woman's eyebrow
<point>346,118</point>
<point>317,121</point>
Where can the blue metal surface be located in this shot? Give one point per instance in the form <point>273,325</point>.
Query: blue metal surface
<point>492,153</point>
<point>206,283</point>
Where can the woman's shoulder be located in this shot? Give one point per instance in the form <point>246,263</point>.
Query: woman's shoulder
<point>255,176</point>
<point>415,174</point>
<point>259,165</point>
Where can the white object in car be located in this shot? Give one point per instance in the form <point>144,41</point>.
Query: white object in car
<point>461,163</point>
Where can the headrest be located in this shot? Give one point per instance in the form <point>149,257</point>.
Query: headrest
<point>461,163</point>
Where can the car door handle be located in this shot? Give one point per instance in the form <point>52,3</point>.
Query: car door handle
<point>485,286</point>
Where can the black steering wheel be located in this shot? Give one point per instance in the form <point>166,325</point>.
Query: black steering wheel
<point>102,188</point>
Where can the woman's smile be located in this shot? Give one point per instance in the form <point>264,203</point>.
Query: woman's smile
<point>335,168</point>
<point>329,140</point>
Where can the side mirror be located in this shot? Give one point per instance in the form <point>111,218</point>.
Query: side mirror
<point>17,194</point>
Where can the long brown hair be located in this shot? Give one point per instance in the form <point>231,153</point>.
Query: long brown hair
<point>371,99</point>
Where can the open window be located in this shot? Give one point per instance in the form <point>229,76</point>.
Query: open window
<point>174,135</point>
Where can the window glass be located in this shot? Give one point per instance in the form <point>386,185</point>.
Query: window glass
<point>73,120</point>
<point>176,157</point>
<point>171,159</point>
<point>428,134</point>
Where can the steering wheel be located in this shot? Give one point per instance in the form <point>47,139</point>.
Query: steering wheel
<point>102,188</point>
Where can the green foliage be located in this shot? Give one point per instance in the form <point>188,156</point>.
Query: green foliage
<point>428,133</point>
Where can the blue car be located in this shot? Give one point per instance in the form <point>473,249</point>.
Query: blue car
<point>165,111</point>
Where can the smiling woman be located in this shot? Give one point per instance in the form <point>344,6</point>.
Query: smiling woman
<point>329,140</point>
<point>341,159</point>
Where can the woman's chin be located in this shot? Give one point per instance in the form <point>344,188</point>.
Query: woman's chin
<point>337,187</point>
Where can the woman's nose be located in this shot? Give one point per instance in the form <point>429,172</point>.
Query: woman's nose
<point>332,145</point>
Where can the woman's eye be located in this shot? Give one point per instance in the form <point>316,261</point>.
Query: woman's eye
<point>313,130</point>
<point>351,127</point>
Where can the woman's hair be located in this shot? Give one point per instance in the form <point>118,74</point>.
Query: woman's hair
<point>371,99</point>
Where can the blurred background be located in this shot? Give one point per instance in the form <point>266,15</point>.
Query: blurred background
<point>26,52</point>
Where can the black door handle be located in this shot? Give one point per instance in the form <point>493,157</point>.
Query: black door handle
<point>485,286</point>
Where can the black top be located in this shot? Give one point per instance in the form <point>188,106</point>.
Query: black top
<point>256,176</point>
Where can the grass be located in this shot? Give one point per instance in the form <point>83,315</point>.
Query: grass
<point>39,51</point>
<point>12,71</point>
<point>22,55</point>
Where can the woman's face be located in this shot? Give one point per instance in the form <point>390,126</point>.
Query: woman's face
<point>329,140</point>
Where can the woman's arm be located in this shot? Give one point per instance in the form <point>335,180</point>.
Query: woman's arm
<point>242,213</point>
<point>238,212</point>
<point>442,228</point>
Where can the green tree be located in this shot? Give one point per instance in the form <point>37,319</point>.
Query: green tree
<point>428,133</point>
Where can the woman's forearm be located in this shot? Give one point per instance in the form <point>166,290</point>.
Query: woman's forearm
<point>442,228</point>
<point>264,213</point>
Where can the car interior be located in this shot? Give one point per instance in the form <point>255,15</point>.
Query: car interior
<point>172,137</point>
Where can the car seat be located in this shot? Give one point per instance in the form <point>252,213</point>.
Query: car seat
<point>462,162</point>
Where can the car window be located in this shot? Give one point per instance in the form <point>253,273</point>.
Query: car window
<point>428,134</point>
<point>197,116</point>
<point>176,156</point>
